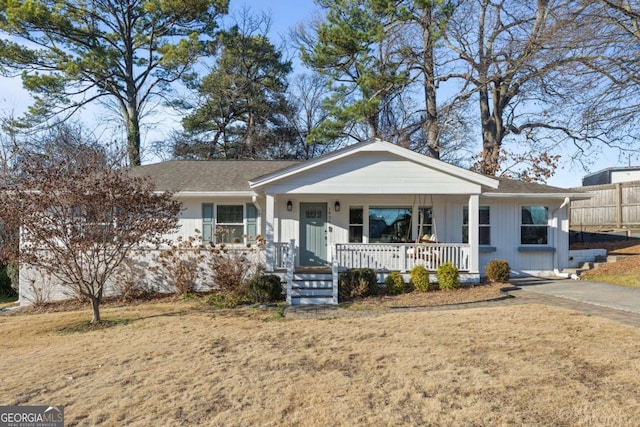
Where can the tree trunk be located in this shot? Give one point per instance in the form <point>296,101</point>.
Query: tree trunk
<point>431,125</point>
<point>95,305</point>
<point>491,144</point>
<point>133,135</point>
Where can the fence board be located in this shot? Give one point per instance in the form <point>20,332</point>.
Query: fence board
<point>613,205</point>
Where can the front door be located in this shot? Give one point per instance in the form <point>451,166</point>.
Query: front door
<point>313,234</point>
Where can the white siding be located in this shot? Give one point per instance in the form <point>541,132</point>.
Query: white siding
<point>373,173</point>
<point>191,216</point>
<point>36,287</point>
<point>505,236</point>
<point>624,176</point>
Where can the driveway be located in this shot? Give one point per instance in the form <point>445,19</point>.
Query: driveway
<point>595,293</point>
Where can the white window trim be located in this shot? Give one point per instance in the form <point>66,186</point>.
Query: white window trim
<point>548,225</point>
<point>479,224</point>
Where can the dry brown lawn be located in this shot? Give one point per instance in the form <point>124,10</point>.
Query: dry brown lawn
<point>625,272</point>
<point>183,364</point>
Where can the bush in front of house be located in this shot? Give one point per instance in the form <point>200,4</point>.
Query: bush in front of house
<point>182,263</point>
<point>420,278</point>
<point>223,301</point>
<point>357,283</point>
<point>394,283</point>
<point>6,289</point>
<point>448,276</point>
<point>497,270</point>
<point>265,288</point>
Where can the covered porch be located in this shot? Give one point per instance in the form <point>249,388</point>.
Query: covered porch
<point>371,205</point>
<point>323,240</point>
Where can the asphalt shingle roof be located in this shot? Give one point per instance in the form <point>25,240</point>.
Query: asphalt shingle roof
<point>512,186</point>
<point>234,175</point>
<point>208,175</point>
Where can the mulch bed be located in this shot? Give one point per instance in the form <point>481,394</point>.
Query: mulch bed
<point>466,294</point>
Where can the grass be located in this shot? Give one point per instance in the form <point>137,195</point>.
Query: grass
<point>86,326</point>
<point>625,272</point>
<point>184,363</point>
<point>620,279</point>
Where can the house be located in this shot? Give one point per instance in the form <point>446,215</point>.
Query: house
<point>372,204</point>
<point>612,175</point>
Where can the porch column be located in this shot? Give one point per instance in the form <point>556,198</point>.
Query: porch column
<point>474,224</point>
<point>269,233</point>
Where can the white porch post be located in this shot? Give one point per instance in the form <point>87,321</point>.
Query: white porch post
<point>474,223</point>
<point>269,223</point>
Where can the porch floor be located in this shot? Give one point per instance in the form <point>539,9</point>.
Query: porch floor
<point>307,270</point>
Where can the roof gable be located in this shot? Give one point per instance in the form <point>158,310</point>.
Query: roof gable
<point>375,146</point>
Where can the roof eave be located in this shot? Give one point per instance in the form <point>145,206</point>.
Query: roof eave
<point>572,196</point>
<point>187,194</point>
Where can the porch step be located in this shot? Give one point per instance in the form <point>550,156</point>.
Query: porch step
<point>311,300</point>
<point>315,284</point>
<point>312,277</point>
<point>312,290</point>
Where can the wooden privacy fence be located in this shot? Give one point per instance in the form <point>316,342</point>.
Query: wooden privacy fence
<point>613,205</point>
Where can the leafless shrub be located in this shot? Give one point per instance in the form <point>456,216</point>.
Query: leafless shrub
<point>234,267</point>
<point>39,290</point>
<point>128,284</point>
<point>182,263</point>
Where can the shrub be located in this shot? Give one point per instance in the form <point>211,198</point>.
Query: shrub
<point>448,276</point>
<point>181,263</point>
<point>420,278</point>
<point>357,283</point>
<point>497,270</point>
<point>394,283</point>
<point>128,284</point>
<point>265,288</point>
<point>223,301</point>
<point>233,267</point>
<point>6,290</point>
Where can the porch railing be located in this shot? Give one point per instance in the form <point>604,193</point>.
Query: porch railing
<point>401,256</point>
<point>281,251</point>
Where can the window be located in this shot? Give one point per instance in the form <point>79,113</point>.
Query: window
<point>388,225</point>
<point>356,217</point>
<point>535,225</point>
<point>484,225</point>
<point>425,222</point>
<point>229,224</point>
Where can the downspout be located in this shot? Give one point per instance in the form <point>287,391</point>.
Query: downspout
<point>556,235</point>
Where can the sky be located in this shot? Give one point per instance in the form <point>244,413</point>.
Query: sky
<point>285,14</point>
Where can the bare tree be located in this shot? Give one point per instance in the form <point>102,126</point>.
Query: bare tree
<point>519,56</point>
<point>80,219</point>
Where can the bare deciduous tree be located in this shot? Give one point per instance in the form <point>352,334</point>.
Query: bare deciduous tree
<point>518,56</point>
<point>80,219</point>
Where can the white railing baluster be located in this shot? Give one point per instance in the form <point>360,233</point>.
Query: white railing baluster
<point>401,256</point>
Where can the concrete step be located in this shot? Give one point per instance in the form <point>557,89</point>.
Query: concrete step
<point>616,258</point>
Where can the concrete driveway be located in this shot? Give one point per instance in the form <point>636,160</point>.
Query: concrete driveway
<point>595,293</point>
